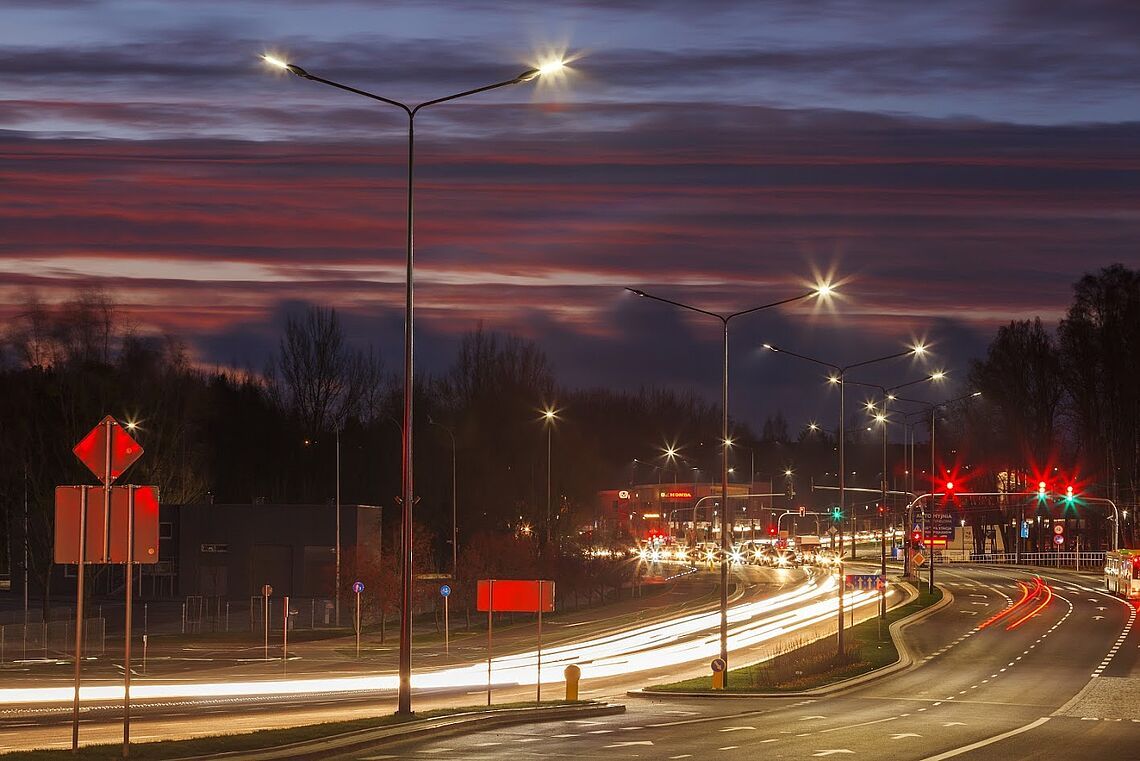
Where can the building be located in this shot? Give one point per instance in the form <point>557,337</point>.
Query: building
<point>232,551</point>
<point>685,511</point>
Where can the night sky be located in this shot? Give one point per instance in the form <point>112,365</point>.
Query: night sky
<point>951,165</point>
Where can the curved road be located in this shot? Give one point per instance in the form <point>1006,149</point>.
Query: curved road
<point>1061,682</point>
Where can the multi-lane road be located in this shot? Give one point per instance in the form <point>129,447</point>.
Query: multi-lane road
<point>1055,672</point>
<point>1062,682</point>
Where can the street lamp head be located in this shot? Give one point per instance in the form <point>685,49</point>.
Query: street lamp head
<point>636,292</point>
<point>550,414</point>
<point>881,418</point>
<point>770,347</point>
<point>284,65</point>
<point>787,471</point>
<point>546,69</point>
<point>833,379</point>
<point>937,375</point>
<point>824,290</point>
<point>976,393</point>
<point>918,349</point>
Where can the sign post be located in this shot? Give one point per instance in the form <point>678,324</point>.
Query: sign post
<point>107,450</point>
<point>538,681</point>
<point>285,637</point>
<point>265,592</point>
<point>80,572</point>
<point>518,596</point>
<point>357,588</point>
<point>445,593</point>
<point>840,585</point>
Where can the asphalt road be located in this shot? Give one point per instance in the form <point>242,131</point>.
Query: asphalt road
<point>1063,684</point>
<point>49,726</point>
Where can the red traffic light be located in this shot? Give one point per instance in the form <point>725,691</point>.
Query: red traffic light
<point>916,536</point>
<point>949,486</point>
<point>772,531</point>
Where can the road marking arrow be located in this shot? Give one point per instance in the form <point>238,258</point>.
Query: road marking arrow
<point>806,718</point>
<point>968,612</point>
<point>832,752</point>
<point>901,735</point>
<point>1100,607</point>
<point>954,724</point>
<point>736,729</point>
<point>631,742</point>
<point>1097,618</point>
<point>979,603</point>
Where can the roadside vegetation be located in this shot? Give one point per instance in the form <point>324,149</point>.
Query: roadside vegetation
<point>806,665</point>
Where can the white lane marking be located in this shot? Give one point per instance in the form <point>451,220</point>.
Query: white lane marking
<point>832,752</point>
<point>628,743</point>
<point>902,735</point>
<point>735,729</point>
<point>988,741</point>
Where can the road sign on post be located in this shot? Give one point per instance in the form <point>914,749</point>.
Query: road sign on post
<point>445,593</point>
<point>123,530</point>
<point>519,596</point>
<point>357,588</point>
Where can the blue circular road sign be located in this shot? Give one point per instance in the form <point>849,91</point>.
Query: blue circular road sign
<point>445,590</point>
<point>358,586</point>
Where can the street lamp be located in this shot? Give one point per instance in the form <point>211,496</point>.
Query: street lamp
<point>404,698</point>
<point>882,417</point>
<point>838,378</point>
<point>821,291</point>
<point>932,408</point>
<point>549,415</point>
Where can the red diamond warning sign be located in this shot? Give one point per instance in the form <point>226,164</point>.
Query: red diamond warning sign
<point>108,438</point>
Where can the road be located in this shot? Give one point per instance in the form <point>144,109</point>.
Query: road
<point>1061,683</point>
<point>768,605</point>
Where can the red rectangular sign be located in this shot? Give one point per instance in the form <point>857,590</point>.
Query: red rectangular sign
<point>67,513</point>
<point>515,596</point>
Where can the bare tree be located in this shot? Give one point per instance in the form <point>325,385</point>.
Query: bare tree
<point>322,380</point>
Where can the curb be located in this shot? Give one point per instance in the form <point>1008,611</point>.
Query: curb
<point>905,661</point>
<point>441,726</point>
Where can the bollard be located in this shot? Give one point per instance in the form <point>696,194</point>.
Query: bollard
<point>718,673</point>
<point>572,674</point>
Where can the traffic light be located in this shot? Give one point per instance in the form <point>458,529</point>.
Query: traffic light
<point>1069,495</point>
<point>772,531</point>
<point>949,487</point>
<point>1041,490</point>
<point>836,514</point>
<point>916,537</point>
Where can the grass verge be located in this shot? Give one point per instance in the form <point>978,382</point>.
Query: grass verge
<point>807,665</point>
<point>269,738</point>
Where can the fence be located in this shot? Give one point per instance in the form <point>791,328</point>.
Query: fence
<point>1087,560</point>
<point>50,640</point>
<point>216,614</point>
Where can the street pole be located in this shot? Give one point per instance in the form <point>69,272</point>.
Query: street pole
<point>548,437</point>
<point>127,621</point>
<point>843,470</point>
<point>725,524</point>
<point>407,573</point>
<point>337,580</point>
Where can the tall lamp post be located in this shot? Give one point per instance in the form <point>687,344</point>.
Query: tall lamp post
<point>882,416</point>
<point>404,696</point>
<point>933,408</point>
<point>839,378</point>
<point>822,291</point>
<point>549,415</point>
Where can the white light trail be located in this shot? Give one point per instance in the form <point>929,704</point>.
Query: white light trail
<point>684,640</point>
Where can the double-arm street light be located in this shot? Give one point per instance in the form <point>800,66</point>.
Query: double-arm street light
<point>839,377</point>
<point>932,407</point>
<point>822,291</point>
<point>882,415</point>
<point>404,699</point>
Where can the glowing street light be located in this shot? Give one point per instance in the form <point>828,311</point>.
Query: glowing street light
<point>823,291</point>
<point>838,378</point>
<point>549,415</point>
<point>404,701</point>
